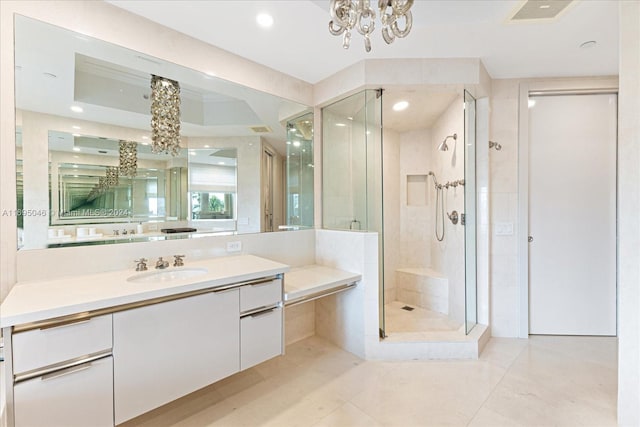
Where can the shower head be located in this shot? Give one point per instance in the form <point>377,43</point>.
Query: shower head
<point>443,145</point>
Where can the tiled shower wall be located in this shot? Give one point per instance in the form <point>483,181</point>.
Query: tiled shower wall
<point>503,166</point>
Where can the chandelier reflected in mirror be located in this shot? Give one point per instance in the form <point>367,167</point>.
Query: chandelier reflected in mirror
<point>165,115</point>
<point>112,176</point>
<point>128,163</point>
<point>349,14</point>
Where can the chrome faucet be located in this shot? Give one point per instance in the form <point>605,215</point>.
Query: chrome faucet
<point>178,261</point>
<point>162,264</point>
<point>142,264</point>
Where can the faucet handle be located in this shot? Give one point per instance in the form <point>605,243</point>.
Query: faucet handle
<point>142,264</point>
<point>162,264</point>
<point>178,261</point>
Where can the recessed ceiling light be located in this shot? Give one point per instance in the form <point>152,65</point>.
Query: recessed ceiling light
<point>588,44</point>
<point>76,149</point>
<point>531,103</point>
<point>76,109</point>
<point>544,6</point>
<point>296,143</point>
<point>75,127</point>
<point>264,20</point>
<point>401,105</point>
<point>340,125</point>
<point>145,143</point>
<point>206,146</point>
<point>349,118</point>
<point>221,163</point>
<point>75,134</point>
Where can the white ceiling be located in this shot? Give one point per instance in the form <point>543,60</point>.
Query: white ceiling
<point>299,43</point>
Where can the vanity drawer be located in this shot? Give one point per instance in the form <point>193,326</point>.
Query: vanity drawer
<point>260,337</point>
<point>79,396</point>
<point>263,294</point>
<point>42,347</point>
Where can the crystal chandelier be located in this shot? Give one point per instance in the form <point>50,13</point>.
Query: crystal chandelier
<point>165,115</point>
<point>112,176</point>
<point>349,14</point>
<point>128,165</point>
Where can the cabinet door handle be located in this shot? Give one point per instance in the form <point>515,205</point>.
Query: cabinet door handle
<point>264,313</point>
<point>261,283</point>
<point>66,371</point>
<point>224,290</point>
<point>65,324</point>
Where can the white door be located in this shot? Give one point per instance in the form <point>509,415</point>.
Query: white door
<point>572,214</point>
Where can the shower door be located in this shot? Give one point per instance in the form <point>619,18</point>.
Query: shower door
<point>470,290</point>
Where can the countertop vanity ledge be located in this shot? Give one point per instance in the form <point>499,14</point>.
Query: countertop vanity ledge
<point>46,299</point>
<point>311,279</point>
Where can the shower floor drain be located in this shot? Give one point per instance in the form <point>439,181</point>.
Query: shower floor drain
<point>406,307</point>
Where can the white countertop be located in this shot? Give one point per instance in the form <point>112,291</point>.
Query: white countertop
<point>310,279</point>
<point>40,300</point>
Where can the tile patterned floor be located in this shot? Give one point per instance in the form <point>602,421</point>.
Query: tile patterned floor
<point>543,381</point>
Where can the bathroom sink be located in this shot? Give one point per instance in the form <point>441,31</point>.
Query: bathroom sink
<point>167,275</point>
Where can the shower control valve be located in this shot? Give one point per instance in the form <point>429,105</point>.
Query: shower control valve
<point>453,216</point>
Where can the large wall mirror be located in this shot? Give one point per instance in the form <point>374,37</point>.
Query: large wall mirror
<point>83,118</point>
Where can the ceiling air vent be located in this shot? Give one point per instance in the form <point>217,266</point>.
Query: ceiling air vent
<point>260,129</point>
<point>540,9</point>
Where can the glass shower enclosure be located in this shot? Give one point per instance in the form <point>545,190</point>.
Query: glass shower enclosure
<point>355,173</point>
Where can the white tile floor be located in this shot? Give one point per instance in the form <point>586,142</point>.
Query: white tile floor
<point>543,381</point>
<point>418,320</point>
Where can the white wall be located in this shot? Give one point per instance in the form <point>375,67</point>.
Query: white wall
<point>503,200</point>
<point>628,222</point>
<point>417,157</point>
<point>349,319</point>
<point>295,248</point>
<point>392,194</point>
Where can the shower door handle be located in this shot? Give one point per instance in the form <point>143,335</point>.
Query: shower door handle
<point>530,239</point>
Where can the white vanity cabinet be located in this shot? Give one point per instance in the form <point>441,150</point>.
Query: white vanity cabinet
<point>99,356</point>
<point>167,350</point>
<point>261,323</point>
<point>64,374</point>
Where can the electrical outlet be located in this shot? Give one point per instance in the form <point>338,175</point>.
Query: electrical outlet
<point>234,246</point>
<point>503,229</point>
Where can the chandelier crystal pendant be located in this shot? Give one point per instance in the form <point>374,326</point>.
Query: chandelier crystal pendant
<point>349,14</point>
<point>165,115</point>
<point>112,176</point>
<point>128,165</point>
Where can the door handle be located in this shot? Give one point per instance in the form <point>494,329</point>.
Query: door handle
<point>530,239</point>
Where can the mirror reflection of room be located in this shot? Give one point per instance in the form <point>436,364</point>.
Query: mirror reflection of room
<point>80,100</point>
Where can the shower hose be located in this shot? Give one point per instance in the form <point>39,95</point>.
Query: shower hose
<point>439,203</point>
